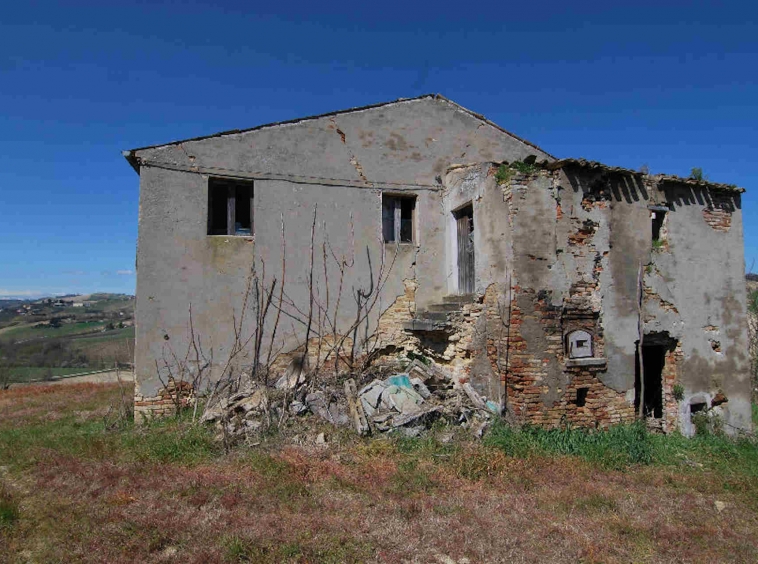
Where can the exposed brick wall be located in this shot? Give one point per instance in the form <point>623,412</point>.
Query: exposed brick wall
<point>718,219</point>
<point>390,328</point>
<point>173,395</point>
<point>528,376</point>
<point>671,376</point>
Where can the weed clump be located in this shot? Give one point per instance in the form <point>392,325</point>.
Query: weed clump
<point>617,447</point>
<point>506,171</point>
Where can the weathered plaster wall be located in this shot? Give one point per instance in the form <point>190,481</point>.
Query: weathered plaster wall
<point>179,265</point>
<point>701,274</point>
<point>581,240</point>
<point>406,142</point>
<point>338,165</point>
<point>476,185</point>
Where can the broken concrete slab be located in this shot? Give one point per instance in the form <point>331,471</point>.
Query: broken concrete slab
<point>421,388</point>
<point>330,411</point>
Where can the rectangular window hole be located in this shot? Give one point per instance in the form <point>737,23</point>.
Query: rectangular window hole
<point>230,207</point>
<point>581,396</point>
<point>398,218</point>
<point>657,216</point>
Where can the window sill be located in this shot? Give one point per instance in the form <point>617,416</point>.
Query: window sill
<point>246,236</point>
<point>586,362</point>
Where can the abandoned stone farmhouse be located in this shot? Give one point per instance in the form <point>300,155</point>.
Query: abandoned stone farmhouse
<point>562,290</point>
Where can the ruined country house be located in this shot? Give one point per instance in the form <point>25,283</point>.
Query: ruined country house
<point>564,291</point>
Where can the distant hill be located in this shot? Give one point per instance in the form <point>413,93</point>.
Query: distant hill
<point>65,334</point>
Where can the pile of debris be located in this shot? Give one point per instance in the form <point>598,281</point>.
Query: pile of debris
<point>408,403</point>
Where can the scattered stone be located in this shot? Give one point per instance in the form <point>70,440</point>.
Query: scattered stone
<point>328,410</point>
<point>297,408</point>
<point>720,506</point>
<point>321,439</point>
<point>417,369</point>
<point>293,377</point>
<point>254,402</point>
<point>371,396</point>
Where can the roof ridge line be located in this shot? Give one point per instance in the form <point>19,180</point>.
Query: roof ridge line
<point>129,153</point>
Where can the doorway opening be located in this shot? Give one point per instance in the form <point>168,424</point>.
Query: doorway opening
<point>648,379</point>
<point>464,219</point>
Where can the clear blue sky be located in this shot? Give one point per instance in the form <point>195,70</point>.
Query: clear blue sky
<point>672,85</point>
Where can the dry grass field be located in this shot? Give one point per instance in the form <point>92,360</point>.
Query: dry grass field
<point>79,485</point>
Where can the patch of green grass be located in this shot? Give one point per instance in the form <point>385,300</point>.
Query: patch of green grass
<point>616,447</point>
<point>752,301</point>
<point>113,335</point>
<point>622,446</point>
<point>412,477</point>
<point>329,549</point>
<point>170,440</point>
<point>27,373</point>
<point>8,508</point>
<point>26,445</point>
<point>65,330</point>
<point>658,245</point>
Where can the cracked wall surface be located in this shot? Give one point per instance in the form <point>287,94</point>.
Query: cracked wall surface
<point>558,249</point>
<point>336,166</point>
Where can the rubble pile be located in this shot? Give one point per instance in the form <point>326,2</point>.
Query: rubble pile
<point>408,403</point>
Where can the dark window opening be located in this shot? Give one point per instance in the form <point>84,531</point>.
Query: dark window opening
<point>698,407</point>
<point>230,207</point>
<point>658,216</point>
<point>581,396</point>
<point>398,218</point>
<point>653,361</point>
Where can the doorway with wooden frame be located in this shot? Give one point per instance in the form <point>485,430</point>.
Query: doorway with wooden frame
<point>464,220</point>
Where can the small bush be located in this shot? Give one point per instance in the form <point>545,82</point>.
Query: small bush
<point>524,168</point>
<point>678,392</point>
<point>503,174</point>
<point>697,174</point>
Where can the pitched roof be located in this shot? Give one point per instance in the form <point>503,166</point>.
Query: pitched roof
<point>130,154</point>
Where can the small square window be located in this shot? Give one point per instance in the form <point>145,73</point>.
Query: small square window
<point>398,218</point>
<point>230,207</point>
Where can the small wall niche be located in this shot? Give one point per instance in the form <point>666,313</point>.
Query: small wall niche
<point>579,344</point>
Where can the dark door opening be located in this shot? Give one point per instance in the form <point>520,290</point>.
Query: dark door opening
<point>466,274</point>
<point>653,361</point>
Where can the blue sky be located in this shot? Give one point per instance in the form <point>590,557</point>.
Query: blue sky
<point>670,85</point>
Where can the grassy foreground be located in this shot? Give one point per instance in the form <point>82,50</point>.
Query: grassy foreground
<point>78,486</point>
